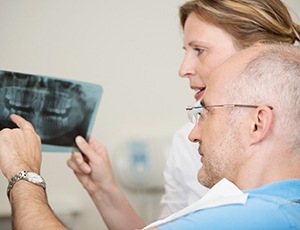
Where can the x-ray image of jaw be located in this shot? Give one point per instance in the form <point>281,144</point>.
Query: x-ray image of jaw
<point>59,110</point>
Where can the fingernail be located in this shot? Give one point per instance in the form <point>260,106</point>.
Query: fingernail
<point>79,140</point>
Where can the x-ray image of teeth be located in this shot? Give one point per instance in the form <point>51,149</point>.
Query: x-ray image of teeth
<point>58,109</point>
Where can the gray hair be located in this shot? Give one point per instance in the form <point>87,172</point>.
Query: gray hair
<point>272,78</point>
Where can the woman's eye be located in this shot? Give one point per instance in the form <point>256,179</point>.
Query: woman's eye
<point>199,51</point>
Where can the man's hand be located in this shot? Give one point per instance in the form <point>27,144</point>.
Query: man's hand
<point>20,148</point>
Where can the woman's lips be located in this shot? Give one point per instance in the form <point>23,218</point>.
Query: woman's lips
<point>199,93</point>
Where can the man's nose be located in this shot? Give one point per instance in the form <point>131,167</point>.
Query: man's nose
<point>195,134</point>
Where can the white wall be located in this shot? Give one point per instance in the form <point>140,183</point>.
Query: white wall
<point>294,8</point>
<point>132,48</point>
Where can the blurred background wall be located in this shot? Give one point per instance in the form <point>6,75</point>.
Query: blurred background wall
<point>133,49</point>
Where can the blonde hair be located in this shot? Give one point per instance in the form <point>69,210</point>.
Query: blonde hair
<point>247,21</point>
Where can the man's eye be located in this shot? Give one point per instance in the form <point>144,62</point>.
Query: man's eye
<point>205,111</point>
<point>201,116</point>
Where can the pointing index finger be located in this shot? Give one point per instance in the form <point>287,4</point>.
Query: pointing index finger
<point>21,122</point>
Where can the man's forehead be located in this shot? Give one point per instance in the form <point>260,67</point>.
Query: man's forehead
<point>235,65</point>
<point>229,71</point>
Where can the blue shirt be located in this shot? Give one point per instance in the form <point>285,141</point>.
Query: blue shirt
<point>272,206</point>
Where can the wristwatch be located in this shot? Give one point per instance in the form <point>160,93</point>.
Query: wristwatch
<point>29,176</point>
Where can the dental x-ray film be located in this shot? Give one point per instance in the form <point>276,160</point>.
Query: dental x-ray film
<point>58,109</point>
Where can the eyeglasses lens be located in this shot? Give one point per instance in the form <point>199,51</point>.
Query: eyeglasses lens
<point>194,114</point>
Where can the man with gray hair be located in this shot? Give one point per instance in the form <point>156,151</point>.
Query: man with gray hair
<point>248,130</point>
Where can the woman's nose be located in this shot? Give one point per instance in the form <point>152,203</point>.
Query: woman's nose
<point>187,68</point>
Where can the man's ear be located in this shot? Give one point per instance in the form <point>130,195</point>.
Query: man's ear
<point>261,122</point>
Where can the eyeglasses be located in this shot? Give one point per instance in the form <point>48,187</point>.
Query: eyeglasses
<point>195,112</point>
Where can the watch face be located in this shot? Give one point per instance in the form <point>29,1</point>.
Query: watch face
<point>35,177</point>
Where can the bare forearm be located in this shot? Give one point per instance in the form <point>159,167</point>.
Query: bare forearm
<point>116,211</point>
<point>30,209</point>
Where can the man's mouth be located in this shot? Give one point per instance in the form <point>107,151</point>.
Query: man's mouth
<point>199,150</point>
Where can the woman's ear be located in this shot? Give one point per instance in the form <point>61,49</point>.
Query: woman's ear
<point>261,122</point>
